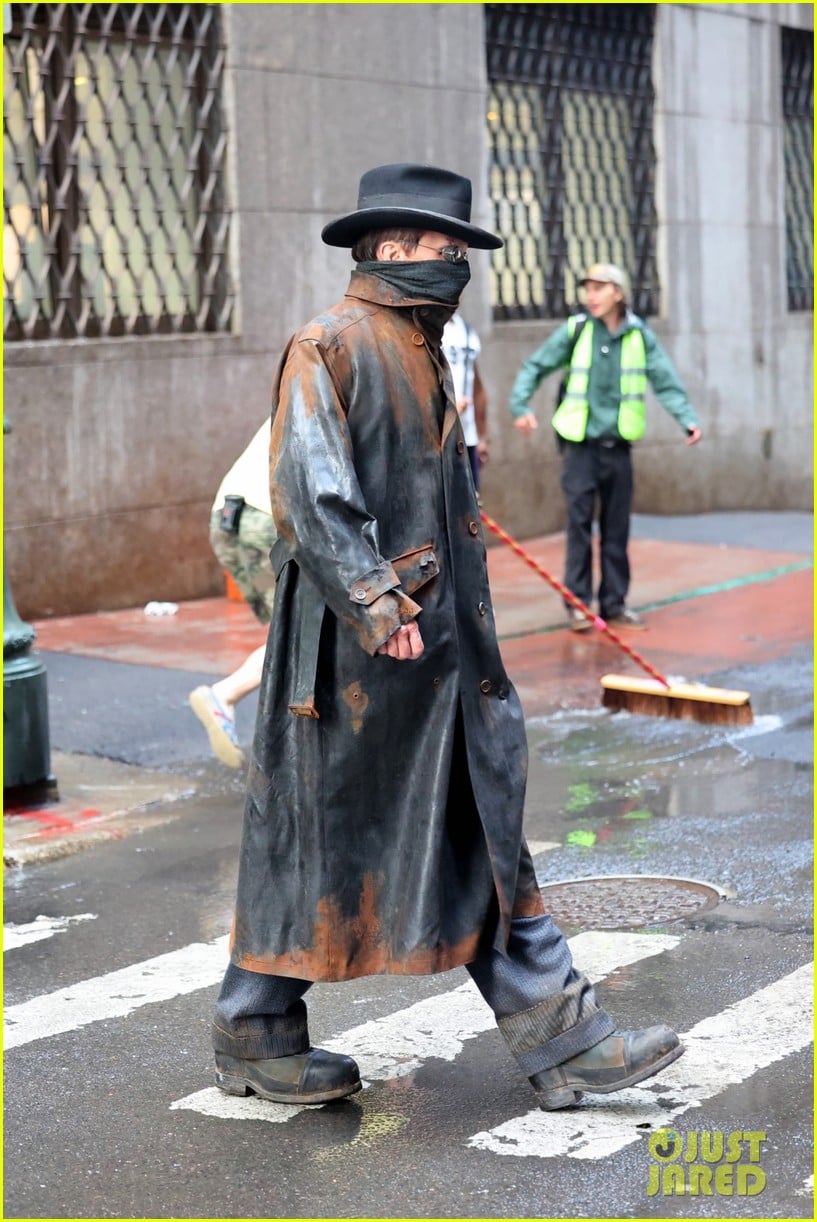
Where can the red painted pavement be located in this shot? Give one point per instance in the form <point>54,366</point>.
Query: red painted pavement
<point>687,640</point>
<point>551,667</point>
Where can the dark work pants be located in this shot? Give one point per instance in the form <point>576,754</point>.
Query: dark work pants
<point>546,1010</point>
<point>592,471</point>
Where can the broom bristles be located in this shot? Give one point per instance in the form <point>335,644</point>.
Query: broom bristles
<point>683,702</point>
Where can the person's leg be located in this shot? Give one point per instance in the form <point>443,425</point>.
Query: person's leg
<point>616,496</point>
<point>546,1010</point>
<point>553,1025</point>
<point>258,1015</point>
<point>252,572</point>
<point>261,1040</point>
<point>579,488</point>
<point>241,682</point>
<point>245,556</point>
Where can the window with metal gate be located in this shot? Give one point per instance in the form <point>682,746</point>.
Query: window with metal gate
<point>572,162</point>
<point>797,56</point>
<point>114,199</point>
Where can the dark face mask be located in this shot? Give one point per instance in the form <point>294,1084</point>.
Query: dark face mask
<point>433,279</point>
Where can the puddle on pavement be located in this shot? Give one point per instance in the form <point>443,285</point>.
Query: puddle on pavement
<point>596,737</point>
<point>598,778</point>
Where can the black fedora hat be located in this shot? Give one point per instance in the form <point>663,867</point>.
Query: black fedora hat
<point>415,197</point>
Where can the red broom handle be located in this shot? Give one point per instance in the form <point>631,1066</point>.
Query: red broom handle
<point>595,620</point>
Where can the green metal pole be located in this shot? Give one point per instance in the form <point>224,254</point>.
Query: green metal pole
<point>27,779</point>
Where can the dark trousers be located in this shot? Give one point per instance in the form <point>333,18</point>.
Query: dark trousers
<point>545,1009</point>
<point>594,471</point>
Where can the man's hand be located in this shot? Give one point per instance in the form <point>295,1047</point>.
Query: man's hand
<point>526,423</point>
<point>462,403</point>
<point>483,452</point>
<point>405,644</point>
<point>693,435</point>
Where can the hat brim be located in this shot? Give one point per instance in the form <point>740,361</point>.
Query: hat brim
<point>346,230</point>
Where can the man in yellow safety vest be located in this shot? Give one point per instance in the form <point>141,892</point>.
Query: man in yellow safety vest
<point>610,355</point>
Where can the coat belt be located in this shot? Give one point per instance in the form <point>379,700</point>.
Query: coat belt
<point>308,638</point>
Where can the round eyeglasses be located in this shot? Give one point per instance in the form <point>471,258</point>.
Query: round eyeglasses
<point>451,254</point>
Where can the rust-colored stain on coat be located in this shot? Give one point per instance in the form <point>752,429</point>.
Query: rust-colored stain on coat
<point>354,946</point>
<point>358,702</point>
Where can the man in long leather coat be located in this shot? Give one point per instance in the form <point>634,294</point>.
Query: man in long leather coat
<point>383,819</point>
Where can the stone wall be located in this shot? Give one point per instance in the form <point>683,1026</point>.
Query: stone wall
<point>118,446</point>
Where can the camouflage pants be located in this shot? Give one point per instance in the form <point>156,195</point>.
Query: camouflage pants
<point>245,556</point>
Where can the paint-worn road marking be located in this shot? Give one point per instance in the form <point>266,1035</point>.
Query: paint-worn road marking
<point>721,1051</point>
<point>542,846</point>
<point>41,927</point>
<point>399,1043</point>
<point>197,966</point>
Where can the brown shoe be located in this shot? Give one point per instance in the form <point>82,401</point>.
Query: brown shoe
<point>315,1076</point>
<point>622,1059</point>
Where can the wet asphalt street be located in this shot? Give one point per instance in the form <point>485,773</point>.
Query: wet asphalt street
<point>109,1104</point>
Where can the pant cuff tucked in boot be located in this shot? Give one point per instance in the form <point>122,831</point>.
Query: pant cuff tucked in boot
<point>264,1036</point>
<point>551,1032</point>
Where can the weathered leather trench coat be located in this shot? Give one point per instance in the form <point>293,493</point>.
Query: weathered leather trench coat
<point>383,821</point>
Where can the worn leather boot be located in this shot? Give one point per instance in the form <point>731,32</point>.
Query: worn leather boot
<point>622,1059</point>
<point>315,1076</point>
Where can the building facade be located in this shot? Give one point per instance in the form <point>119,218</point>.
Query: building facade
<point>167,173</point>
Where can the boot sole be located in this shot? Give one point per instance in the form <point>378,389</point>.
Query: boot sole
<point>232,1085</point>
<point>565,1096</point>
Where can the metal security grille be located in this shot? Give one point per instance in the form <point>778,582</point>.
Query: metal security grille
<point>797,53</point>
<point>115,214</point>
<point>571,151</point>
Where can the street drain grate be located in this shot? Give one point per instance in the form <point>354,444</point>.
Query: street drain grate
<point>627,901</point>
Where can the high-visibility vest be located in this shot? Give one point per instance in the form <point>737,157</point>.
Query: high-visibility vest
<point>571,416</point>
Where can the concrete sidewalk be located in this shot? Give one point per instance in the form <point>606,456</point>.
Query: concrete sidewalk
<point>721,592</point>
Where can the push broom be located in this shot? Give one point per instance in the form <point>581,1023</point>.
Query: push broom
<point>656,697</point>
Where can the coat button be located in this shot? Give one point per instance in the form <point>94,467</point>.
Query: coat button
<point>417,339</point>
<point>473,527</point>
<point>361,594</point>
<point>460,447</point>
<point>482,608</point>
<point>485,685</point>
<point>436,681</point>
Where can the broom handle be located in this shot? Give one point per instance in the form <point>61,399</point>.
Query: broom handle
<point>596,620</point>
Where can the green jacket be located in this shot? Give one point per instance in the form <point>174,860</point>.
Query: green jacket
<point>603,387</point>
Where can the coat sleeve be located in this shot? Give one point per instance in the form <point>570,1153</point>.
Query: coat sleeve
<point>553,354</point>
<point>318,506</point>
<point>665,382</point>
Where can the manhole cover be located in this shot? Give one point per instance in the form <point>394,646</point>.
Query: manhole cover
<point>626,901</point>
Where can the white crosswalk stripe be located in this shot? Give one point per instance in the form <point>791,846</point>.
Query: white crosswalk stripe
<point>15,936</point>
<point>721,1051</point>
<point>117,993</point>
<point>397,1044</point>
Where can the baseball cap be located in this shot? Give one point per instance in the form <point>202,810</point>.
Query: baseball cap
<point>605,273</point>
